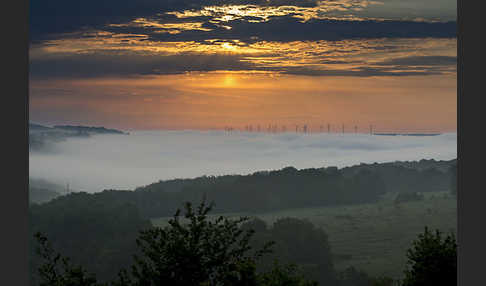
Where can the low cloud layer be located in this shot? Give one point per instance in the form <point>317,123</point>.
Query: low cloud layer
<point>125,162</point>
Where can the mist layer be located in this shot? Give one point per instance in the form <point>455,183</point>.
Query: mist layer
<point>125,162</point>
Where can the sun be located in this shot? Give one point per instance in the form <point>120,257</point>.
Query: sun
<point>229,47</point>
<point>229,81</point>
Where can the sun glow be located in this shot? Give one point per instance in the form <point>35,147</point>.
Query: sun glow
<point>229,47</point>
<point>229,81</point>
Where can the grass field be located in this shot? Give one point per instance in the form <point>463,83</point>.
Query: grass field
<point>372,237</point>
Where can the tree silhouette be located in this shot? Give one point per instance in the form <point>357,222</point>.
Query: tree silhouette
<point>198,252</point>
<point>192,250</point>
<point>57,270</point>
<point>432,260</point>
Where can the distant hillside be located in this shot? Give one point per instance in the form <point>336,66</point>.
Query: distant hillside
<point>41,191</point>
<point>286,188</point>
<point>42,137</point>
<point>37,195</point>
<point>424,164</point>
<point>44,184</point>
<point>398,176</point>
<point>89,129</point>
<point>411,176</point>
<point>75,129</point>
<point>33,126</point>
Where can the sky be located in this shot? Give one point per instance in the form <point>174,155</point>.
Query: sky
<point>128,161</point>
<point>205,64</point>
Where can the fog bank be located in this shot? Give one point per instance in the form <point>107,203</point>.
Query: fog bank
<point>125,162</point>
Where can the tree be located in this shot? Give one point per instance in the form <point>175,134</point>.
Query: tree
<point>57,270</point>
<point>383,281</point>
<point>298,242</point>
<point>200,252</point>
<point>285,275</point>
<point>353,277</point>
<point>432,260</point>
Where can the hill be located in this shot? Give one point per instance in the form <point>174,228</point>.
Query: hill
<point>89,129</point>
<point>287,188</point>
<point>352,204</point>
<point>42,138</point>
<point>41,191</point>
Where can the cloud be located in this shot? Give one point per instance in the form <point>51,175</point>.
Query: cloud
<point>288,28</point>
<point>110,55</point>
<point>55,18</point>
<point>360,72</point>
<point>60,16</point>
<point>125,162</point>
<point>92,66</point>
<point>421,61</point>
<point>124,38</point>
<point>113,64</point>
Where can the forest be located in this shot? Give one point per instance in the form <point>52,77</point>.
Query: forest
<point>285,188</point>
<point>195,250</point>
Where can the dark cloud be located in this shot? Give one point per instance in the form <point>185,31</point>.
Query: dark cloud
<point>365,71</point>
<point>56,17</point>
<point>111,64</point>
<point>60,16</point>
<point>421,61</point>
<point>48,17</point>
<point>263,3</point>
<point>288,28</point>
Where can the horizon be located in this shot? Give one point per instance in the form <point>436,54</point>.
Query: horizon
<point>271,129</point>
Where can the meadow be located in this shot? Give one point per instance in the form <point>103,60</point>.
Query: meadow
<point>371,237</point>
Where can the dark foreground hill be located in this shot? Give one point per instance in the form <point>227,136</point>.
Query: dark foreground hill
<point>98,230</point>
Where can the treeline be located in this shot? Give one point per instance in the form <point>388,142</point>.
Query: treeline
<point>412,176</point>
<point>285,188</point>
<point>291,188</point>
<point>300,242</point>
